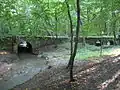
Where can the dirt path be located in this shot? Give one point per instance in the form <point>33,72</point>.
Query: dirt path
<point>15,71</point>
<point>20,71</point>
<point>99,76</point>
<point>89,74</point>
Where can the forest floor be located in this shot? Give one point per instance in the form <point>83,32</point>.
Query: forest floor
<point>94,73</point>
<point>89,74</point>
<point>99,76</point>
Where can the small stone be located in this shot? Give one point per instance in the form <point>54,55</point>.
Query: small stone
<point>49,67</point>
<point>1,78</point>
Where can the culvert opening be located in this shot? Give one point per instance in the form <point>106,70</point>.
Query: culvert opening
<point>24,47</point>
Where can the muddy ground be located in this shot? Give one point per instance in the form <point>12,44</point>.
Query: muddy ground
<point>89,74</point>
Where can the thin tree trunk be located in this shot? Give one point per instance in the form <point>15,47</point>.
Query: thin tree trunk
<point>101,40</point>
<point>71,30</point>
<point>114,34</point>
<point>84,41</point>
<point>88,20</point>
<point>12,47</point>
<point>101,47</point>
<point>56,29</point>
<point>114,28</point>
<point>105,29</point>
<point>72,57</point>
<point>12,40</point>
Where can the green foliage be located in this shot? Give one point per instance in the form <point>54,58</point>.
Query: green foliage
<point>38,17</point>
<point>93,51</point>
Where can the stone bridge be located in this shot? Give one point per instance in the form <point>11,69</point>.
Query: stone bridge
<point>12,42</point>
<point>93,39</point>
<point>36,42</point>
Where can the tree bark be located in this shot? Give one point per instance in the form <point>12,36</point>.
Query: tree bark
<point>114,28</point>
<point>12,45</point>
<point>71,30</point>
<point>72,57</point>
<point>56,29</point>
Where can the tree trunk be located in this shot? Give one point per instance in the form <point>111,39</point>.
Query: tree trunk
<point>71,30</point>
<point>84,41</point>
<point>12,44</point>
<point>72,57</point>
<point>114,28</point>
<point>56,29</point>
<point>101,47</point>
<point>13,41</point>
<point>105,29</point>
<point>115,39</point>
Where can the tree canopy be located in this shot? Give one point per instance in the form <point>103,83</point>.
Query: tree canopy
<point>49,17</point>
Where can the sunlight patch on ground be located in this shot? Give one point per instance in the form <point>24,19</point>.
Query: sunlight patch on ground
<point>85,53</point>
<point>4,53</point>
<point>115,60</point>
<point>103,85</point>
<point>88,70</point>
<point>91,68</point>
<point>114,52</point>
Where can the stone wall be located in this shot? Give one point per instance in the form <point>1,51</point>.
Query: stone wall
<point>93,39</point>
<point>35,42</point>
<point>44,41</point>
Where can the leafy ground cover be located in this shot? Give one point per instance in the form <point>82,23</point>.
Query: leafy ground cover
<point>94,51</point>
